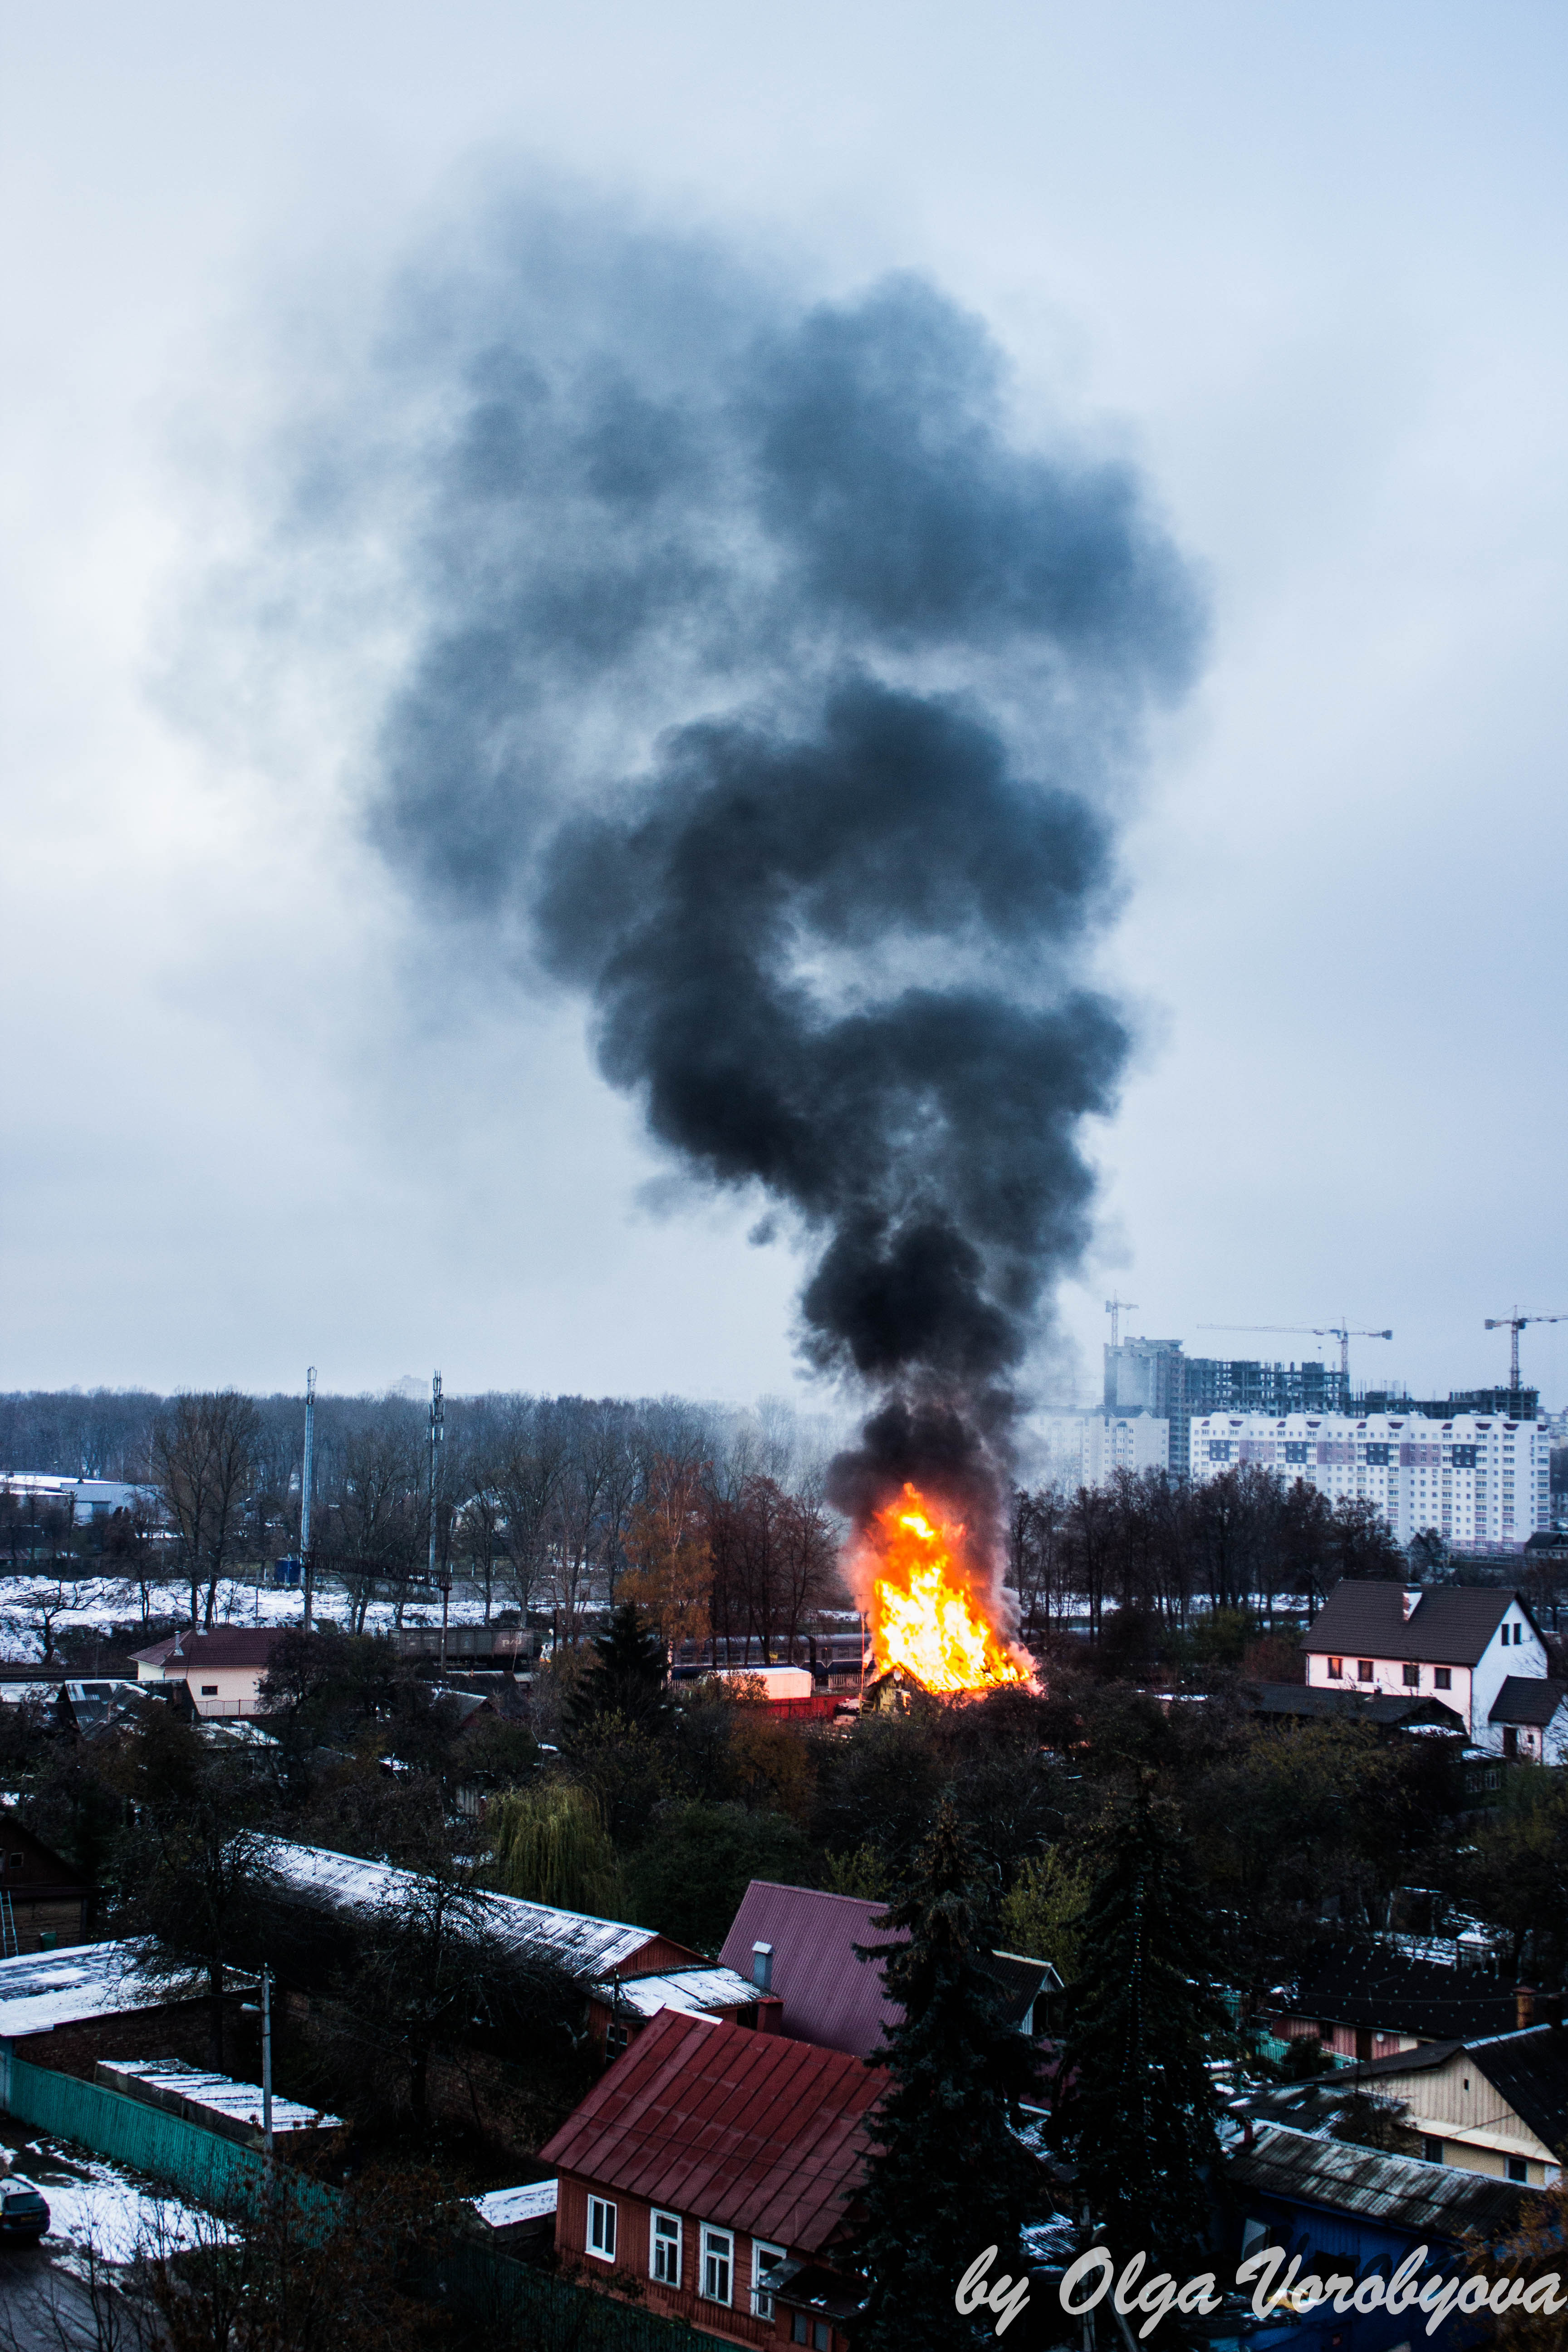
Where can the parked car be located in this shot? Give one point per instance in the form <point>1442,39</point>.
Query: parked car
<point>23,2210</point>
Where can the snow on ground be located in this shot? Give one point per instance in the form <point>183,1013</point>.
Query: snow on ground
<point>95,2205</point>
<point>105,1601</point>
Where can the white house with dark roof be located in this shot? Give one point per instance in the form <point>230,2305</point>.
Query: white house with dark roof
<point>1531,1712</point>
<point>1462,1643</point>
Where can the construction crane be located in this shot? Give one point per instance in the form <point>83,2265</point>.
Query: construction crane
<point>1340,1331</point>
<point>1116,1308</point>
<point>1513,1324</point>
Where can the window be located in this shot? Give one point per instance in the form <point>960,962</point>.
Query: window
<point>1463,1458</point>
<point>1378,1456</point>
<point>1443,1677</point>
<point>601,2229</point>
<point>718,2263</point>
<point>16,1861</point>
<point>1412,1677</point>
<point>617,2038</point>
<point>821,2336</point>
<point>765,2261</point>
<point>209,1690</point>
<point>1518,2169</point>
<point>1294,1452</point>
<point>1336,1670</point>
<point>1363,1670</point>
<point>800,2328</point>
<point>1219,1449</point>
<point>1432,2149</point>
<point>664,2249</point>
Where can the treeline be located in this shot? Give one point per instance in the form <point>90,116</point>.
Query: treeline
<point>1150,1550</point>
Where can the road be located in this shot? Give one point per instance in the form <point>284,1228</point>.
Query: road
<point>43,2309</point>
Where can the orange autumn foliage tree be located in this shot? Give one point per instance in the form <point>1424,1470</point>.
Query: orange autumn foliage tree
<point>670,1576</point>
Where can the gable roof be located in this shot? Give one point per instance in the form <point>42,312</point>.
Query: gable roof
<point>1528,1699</point>
<point>748,2130</point>
<point>1431,2200</point>
<point>1450,1624</point>
<point>830,1997</point>
<point>1530,2070</point>
<point>1383,1991</point>
<point>225,1645</point>
<point>590,1948</point>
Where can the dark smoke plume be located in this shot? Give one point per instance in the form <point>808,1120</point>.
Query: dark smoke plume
<point>772,694</point>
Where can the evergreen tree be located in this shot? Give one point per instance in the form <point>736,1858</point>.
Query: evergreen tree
<point>948,2177</point>
<point>1136,2116</point>
<point>627,1676</point>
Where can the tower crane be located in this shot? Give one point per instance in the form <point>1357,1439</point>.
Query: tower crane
<point>1342,1332</point>
<point>1513,1324</point>
<point>1116,1308</point>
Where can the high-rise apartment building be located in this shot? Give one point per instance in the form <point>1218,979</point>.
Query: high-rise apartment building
<point>1482,1481</point>
<point>1086,1447</point>
<point>1157,1376</point>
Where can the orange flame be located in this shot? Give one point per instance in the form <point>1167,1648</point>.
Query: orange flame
<point>923,1615</point>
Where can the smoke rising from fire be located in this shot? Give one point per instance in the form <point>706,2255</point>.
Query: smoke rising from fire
<point>766,689</point>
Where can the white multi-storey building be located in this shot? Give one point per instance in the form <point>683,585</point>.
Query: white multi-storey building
<point>1087,1447</point>
<point>1482,1482</point>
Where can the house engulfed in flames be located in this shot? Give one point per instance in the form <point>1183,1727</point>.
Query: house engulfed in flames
<point>929,1622</point>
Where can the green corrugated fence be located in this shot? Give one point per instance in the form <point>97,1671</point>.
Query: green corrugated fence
<point>511,2302</point>
<point>147,2139</point>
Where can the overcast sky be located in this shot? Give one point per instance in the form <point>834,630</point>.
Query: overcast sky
<point>1303,265</point>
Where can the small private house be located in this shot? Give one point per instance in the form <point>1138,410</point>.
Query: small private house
<point>711,2173</point>
<point>803,1946</point>
<point>1351,2211</point>
<point>1359,2002</point>
<point>1496,2102</point>
<point>222,1671</point>
<point>1460,1643</point>
<point>43,1903</point>
<point>1531,1712</point>
<point>628,1973</point>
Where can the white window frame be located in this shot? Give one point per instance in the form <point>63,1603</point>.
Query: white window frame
<point>672,2238</point>
<point>718,2246</point>
<point>598,2207</point>
<point>764,2256</point>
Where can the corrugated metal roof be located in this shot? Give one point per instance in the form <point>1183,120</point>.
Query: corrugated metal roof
<point>589,1946</point>
<point>748,2130</point>
<point>1528,1699</point>
<point>830,1997</point>
<point>1427,2199</point>
<point>39,1991</point>
<point>1451,1626</point>
<point>1306,1700</point>
<point>694,1990</point>
<point>1529,2069</point>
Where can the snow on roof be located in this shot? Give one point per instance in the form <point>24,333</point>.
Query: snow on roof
<point>169,2082</point>
<point>589,1946</point>
<point>39,1991</point>
<point>696,1993</point>
<point>498,2209</point>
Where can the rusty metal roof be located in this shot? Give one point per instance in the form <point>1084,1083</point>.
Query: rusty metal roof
<point>748,2130</point>
<point>1428,2199</point>
<point>829,1996</point>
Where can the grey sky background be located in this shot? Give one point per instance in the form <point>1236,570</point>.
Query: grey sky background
<point>1303,265</point>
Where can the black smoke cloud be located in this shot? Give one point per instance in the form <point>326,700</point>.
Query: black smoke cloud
<point>770,692</point>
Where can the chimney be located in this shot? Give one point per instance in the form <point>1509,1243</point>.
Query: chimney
<point>763,1967</point>
<point>1524,2006</point>
<point>1411,1596</point>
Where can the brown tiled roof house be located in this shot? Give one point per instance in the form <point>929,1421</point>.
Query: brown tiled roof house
<point>1461,1643</point>
<point>709,2161</point>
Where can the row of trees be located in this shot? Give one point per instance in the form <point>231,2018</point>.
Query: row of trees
<point>1151,1544</point>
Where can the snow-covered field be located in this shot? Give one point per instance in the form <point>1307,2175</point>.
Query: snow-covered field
<point>102,1603</point>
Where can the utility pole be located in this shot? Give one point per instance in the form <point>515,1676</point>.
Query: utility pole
<point>438,1431</point>
<point>307,1474</point>
<point>266,2067</point>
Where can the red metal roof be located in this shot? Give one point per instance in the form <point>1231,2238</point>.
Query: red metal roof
<point>828,1995</point>
<point>745,2129</point>
<point>225,1645</point>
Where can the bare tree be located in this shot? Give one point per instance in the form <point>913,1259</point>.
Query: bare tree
<point>204,1458</point>
<point>533,1458</point>
<point>372,1522</point>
